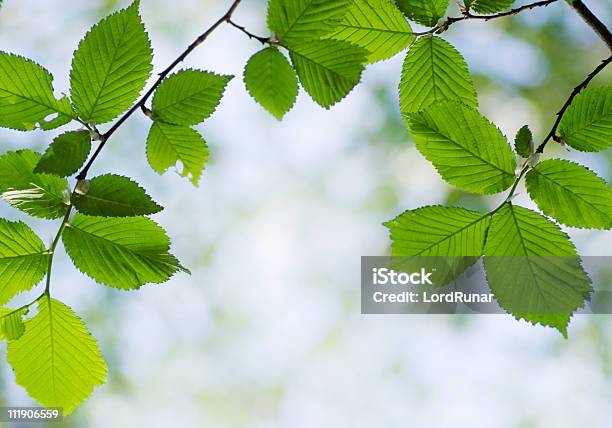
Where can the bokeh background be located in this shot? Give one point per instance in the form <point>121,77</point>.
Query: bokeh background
<point>267,332</point>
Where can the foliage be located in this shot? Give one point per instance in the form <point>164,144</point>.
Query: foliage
<point>324,46</point>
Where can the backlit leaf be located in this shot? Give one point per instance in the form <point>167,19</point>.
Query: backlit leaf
<point>533,269</point>
<point>57,360</point>
<point>328,69</point>
<point>467,150</point>
<point>23,259</point>
<point>377,26</point>
<point>271,81</point>
<point>111,66</point>
<point>434,71</point>
<point>571,194</point>
<point>188,97</point>
<point>26,96</point>
<point>168,145</point>
<point>66,154</point>
<point>40,195</point>
<point>123,253</point>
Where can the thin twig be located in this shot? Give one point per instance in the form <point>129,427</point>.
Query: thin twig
<point>56,240</point>
<point>511,11</point>
<point>552,135</point>
<point>260,39</point>
<point>197,42</point>
<point>467,15</point>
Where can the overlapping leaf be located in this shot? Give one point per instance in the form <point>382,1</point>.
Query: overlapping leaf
<point>455,236</point>
<point>425,12</point>
<point>377,26</point>
<point>571,193</point>
<point>523,142</point>
<point>169,144</point>
<point>438,231</point>
<point>26,96</point>
<point>115,196</point>
<point>434,71</point>
<point>124,253</point>
<point>23,259</point>
<point>533,269</point>
<point>489,6</point>
<point>328,69</point>
<point>57,360</point>
<point>188,97</point>
<point>271,81</point>
<point>587,123</point>
<point>39,195</point>
<point>296,20</point>
<point>66,154</point>
<point>11,324</point>
<point>467,150</point>
<point>111,66</point>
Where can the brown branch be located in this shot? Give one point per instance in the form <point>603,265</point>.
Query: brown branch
<point>552,135</point>
<point>141,103</point>
<point>593,22</point>
<point>467,15</point>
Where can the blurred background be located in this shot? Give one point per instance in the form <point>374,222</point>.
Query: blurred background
<point>267,332</point>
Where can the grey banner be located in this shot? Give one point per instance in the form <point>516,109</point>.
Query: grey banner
<point>469,285</point>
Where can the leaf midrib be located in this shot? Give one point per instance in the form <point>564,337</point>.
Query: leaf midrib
<point>453,234</point>
<point>118,203</point>
<point>147,256</point>
<point>578,196</point>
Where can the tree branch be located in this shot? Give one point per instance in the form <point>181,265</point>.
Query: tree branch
<point>552,135</point>
<point>141,103</point>
<point>467,15</point>
<point>593,22</point>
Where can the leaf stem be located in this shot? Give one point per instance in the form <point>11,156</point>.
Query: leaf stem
<point>51,252</point>
<point>54,246</point>
<point>197,42</point>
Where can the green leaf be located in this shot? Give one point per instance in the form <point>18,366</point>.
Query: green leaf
<point>328,69</point>
<point>571,193</point>
<point>56,360</point>
<point>169,144</point>
<point>587,123</point>
<point>115,196</point>
<point>23,259</point>
<point>111,66</point>
<point>523,142</point>
<point>377,26</point>
<point>188,97</point>
<point>532,268</point>
<point>11,324</point>
<point>271,81</point>
<point>39,195</point>
<point>123,253</point>
<point>434,71</point>
<point>295,20</point>
<point>424,12</point>
<point>467,150</point>
<point>490,6</point>
<point>66,154</point>
<point>26,96</point>
<point>440,231</point>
